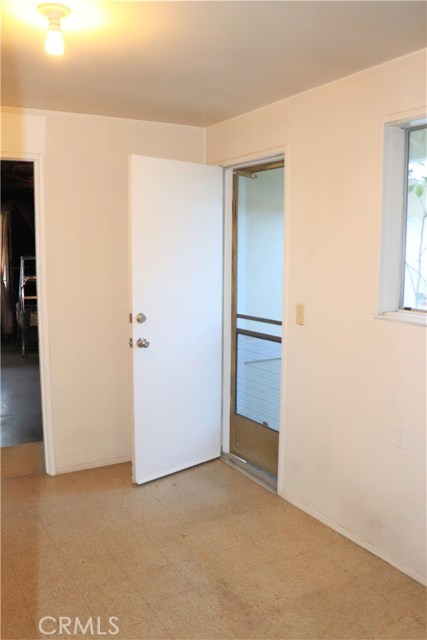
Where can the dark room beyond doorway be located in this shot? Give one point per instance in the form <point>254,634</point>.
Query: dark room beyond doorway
<point>20,394</point>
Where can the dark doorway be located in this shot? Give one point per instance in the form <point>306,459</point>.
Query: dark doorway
<point>20,395</point>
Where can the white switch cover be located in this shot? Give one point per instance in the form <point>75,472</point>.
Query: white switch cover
<point>402,436</point>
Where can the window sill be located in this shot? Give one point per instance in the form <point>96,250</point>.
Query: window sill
<point>409,317</point>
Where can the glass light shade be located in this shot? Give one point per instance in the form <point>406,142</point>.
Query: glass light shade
<point>54,43</point>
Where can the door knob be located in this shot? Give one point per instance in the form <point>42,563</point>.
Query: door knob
<point>142,343</point>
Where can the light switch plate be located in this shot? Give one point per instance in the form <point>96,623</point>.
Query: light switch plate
<point>300,314</point>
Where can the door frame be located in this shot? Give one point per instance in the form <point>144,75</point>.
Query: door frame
<point>38,161</point>
<point>262,157</point>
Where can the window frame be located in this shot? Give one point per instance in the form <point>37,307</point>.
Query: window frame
<point>393,223</point>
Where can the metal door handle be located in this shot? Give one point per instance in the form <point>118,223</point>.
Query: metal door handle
<point>142,343</point>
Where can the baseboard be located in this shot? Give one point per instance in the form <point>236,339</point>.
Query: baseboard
<point>354,538</point>
<point>94,464</point>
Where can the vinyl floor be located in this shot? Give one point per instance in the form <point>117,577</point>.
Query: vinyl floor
<point>21,416</point>
<point>202,554</point>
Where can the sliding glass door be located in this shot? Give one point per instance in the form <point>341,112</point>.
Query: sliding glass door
<point>258,220</point>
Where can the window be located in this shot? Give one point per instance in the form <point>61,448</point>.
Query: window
<point>414,293</point>
<point>403,273</point>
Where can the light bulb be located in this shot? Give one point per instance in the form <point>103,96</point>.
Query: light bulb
<point>54,43</point>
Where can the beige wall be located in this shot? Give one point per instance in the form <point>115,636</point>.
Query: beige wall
<point>86,215</point>
<point>350,378</point>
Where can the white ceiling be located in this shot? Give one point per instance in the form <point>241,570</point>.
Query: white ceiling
<point>200,62</point>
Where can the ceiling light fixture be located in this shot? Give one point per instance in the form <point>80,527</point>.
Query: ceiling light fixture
<point>54,43</point>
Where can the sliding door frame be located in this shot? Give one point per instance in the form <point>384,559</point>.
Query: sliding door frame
<point>251,161</point>
<point>242,428</point>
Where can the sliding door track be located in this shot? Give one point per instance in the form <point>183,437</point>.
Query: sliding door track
<point>259,476</point>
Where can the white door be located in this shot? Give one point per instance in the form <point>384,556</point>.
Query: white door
<point>176,262</point>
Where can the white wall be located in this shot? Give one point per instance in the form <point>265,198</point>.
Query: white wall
<point>86,215</point>
<point>350,377</point>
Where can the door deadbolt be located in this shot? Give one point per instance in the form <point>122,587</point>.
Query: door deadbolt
<point>142,343</point>
<point>141,318</point>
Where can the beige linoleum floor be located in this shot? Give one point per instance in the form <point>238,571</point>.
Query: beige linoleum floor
<point>203,554</point>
